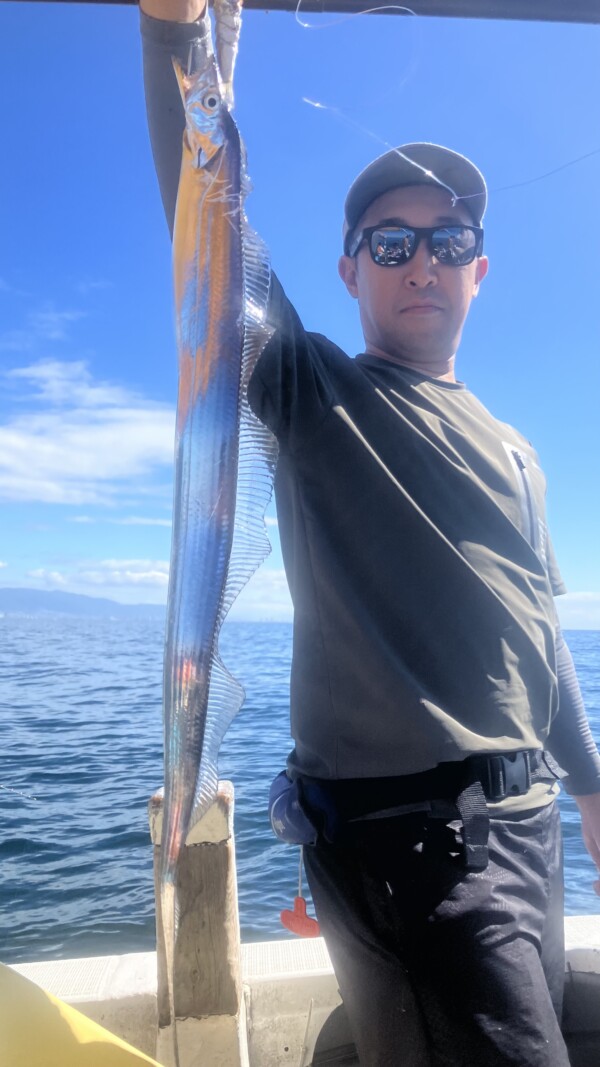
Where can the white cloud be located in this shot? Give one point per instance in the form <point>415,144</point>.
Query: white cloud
<point>125,572</point>
<point>59,383</point>
<point>131,520</point>
<point>3,564</point>
<point>270,520</point>
<point>123,578</point>
<point>16,341</point>
<point>52,579</point>
<point>46,324</point>
<point>88,286</point>
<point>6,287</point>
<point>91,442</point>
<point>579,611</point>
<point>135,520</point>
<point>265,597</point>
<point>49,324</point>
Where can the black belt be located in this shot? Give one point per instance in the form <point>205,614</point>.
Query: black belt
<point>506,774</point>
<point>468,785</point>
<point>495,778</point>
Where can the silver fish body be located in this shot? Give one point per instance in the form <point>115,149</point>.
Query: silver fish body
<point>208,294</point>
<point>224,459</point>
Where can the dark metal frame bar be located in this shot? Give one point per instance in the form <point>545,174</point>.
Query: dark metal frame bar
<point>587,11</point>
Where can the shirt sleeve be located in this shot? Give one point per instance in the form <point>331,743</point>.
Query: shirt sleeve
<point>290,389</point>
<point>161,41</point>
<point>555,577</point>
<point>570,741</point>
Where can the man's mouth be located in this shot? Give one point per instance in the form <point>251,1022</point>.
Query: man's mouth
<point>422,309</point>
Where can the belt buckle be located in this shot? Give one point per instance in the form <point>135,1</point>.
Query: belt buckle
<point>509,775</point>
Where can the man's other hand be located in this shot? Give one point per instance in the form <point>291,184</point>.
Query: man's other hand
<point>174,10</point>
<point>589,807</point>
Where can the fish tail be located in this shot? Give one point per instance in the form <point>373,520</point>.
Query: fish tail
<point>228,19</point>
<point>170,922</point>
<point>225,700</point>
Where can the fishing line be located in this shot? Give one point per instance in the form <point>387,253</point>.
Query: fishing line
<point>348,16</point>
<point>386,144</point>
<point>415,50</point>
<point>548,173</point>
<point>18,793</point>
<point>340,114</point>
<point>365,131</point>
<point>300,871</point>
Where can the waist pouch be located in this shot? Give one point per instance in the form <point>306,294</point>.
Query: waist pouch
<point>289,821</point>
<point>335,807</point>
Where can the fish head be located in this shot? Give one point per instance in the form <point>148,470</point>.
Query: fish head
<point>207,117</point>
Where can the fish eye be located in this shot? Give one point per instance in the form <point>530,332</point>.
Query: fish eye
<point>211,100</point>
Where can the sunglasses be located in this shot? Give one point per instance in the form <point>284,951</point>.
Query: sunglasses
<point>391,246</point>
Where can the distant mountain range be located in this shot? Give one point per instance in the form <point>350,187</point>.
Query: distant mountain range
<point>40,601</point>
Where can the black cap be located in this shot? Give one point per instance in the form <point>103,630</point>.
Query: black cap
<point>417,164</point>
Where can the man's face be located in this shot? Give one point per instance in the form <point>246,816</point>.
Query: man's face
<point>413,313</point>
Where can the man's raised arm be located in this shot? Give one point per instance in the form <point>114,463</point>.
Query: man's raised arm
<point>572,745</point>
<point>168,27</point>
<point>287,380</point>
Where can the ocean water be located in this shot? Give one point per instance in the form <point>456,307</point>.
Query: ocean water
<point>80,731</point>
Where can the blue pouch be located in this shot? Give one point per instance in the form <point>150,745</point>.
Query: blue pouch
<point>288,820</point>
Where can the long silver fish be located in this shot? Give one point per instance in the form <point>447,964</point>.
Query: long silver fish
<point>224,457</point>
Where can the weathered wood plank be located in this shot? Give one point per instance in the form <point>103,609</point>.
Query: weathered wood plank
<point>207,954</point>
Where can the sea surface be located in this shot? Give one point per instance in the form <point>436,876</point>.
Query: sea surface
<point>81,732</point>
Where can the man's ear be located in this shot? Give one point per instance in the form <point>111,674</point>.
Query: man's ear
<point>482,269</point>
<point>347,272</point>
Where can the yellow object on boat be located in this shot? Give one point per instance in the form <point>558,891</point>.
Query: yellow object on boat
<point>38,1030</point>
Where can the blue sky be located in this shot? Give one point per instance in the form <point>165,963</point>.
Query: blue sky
<point>87,357</point>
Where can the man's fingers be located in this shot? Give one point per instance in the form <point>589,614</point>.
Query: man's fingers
<point>174,10</point>
<point>589,840</point>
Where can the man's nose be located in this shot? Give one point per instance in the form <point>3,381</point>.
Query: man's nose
<point>420,271</point>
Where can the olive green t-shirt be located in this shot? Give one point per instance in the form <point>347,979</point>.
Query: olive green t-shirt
<point>414,537</point>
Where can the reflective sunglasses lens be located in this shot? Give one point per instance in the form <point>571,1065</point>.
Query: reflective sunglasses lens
<point>390,247</point>
<point>454,246</point>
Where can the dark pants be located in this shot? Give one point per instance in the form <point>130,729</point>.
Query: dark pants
<point>439,966</point>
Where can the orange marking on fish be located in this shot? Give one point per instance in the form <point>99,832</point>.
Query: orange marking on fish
<point>187,673</point>
<point>201,268</point>
<point>186,375</point>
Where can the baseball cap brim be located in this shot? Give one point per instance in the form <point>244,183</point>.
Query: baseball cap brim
<point>417,164</point>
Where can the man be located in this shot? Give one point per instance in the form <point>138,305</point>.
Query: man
<point>426,644</point>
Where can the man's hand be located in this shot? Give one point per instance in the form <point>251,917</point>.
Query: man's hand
<point>589,807</point>
<point>174,10</point>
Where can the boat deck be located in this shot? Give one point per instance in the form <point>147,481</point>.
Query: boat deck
<point>289,993</point>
